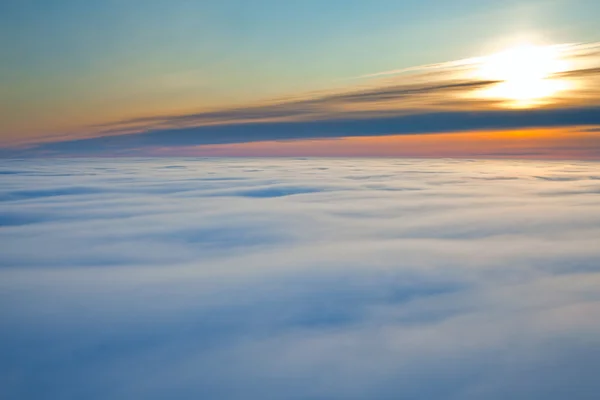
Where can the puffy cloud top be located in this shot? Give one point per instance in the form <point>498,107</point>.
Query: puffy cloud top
<point>299,279</point>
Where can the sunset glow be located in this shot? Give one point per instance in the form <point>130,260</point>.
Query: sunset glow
<point>525,75</point>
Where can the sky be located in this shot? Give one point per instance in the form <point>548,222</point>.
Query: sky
<point>133,77</point>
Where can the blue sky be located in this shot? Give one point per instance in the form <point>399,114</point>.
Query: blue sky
<point>72,64</point>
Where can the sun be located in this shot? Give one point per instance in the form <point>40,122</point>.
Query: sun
<point>526,75</point>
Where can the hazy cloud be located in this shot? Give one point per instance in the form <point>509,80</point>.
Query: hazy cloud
<point>299,279</point>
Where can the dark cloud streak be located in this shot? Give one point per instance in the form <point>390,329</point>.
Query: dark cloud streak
<point>423,123</point>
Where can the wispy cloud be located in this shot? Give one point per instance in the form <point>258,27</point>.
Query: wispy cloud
<point>429,99</point>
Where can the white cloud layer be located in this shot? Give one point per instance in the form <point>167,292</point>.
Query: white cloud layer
<point>299,279</point>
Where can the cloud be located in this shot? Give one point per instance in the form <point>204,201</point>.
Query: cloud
<point>299,278</point>
<point>435,98</point>
<point>422,123</point>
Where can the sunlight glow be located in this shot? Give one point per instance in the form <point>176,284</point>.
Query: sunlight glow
<point>526,75</point>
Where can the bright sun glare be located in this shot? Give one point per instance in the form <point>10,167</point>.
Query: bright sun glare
<point>525,75</point>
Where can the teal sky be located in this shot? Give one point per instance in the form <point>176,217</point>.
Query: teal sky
<point>68,63</point>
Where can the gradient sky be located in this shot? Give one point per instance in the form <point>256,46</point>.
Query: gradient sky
<point>80,69</point>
